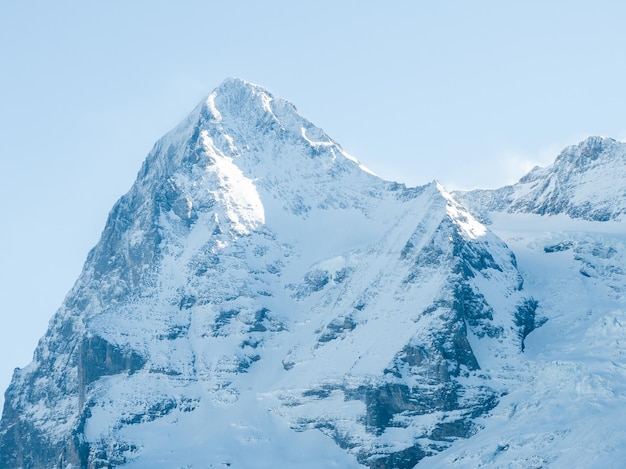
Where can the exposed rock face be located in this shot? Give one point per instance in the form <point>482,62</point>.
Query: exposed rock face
<point>26,445</point>
<point>258,277</point>
<point>565,397</point>
<point>586,181</point>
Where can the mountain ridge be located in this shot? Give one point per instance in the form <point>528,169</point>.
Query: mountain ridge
<point>563,223</point>
<point>586,181</point>
<point>258,277</point>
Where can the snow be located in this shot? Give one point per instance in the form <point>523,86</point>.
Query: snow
<point>210,102</point>
<point>471,227</point>
<point>289,276</point>
<point>369,254</point>
<point>315,144</point>
<point>587,181</point>
<point>228,437</point>
<point>243,205</point>
<point>303,232</point>
<point>567,393</point>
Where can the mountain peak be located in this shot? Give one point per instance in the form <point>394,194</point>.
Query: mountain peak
<point>229,82</point>
<point>243,136</point>
<point>586,181</point>
<point>586,151</point>
<point>236,97</point>
<point>257,277</point>
<point>241,106</point>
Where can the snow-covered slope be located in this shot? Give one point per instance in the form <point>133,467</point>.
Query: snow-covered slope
<point>568,390</point>
<point>259,299</point>
<point>586,181</point>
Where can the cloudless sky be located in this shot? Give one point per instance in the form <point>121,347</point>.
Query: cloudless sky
<point>470,93</point>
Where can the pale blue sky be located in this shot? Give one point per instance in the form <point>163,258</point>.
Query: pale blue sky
<point>470,93</point>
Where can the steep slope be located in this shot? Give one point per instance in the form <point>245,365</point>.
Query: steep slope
<point>564,224</point>
<point>567,390</point>
<point>259,298</point>
<point>587,181</point>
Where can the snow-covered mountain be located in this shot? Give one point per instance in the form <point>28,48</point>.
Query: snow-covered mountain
<point>586,181</point>
<point>567,393</point>
<point>260,299</point>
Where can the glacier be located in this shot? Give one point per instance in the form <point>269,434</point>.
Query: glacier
<point>259,298</point>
